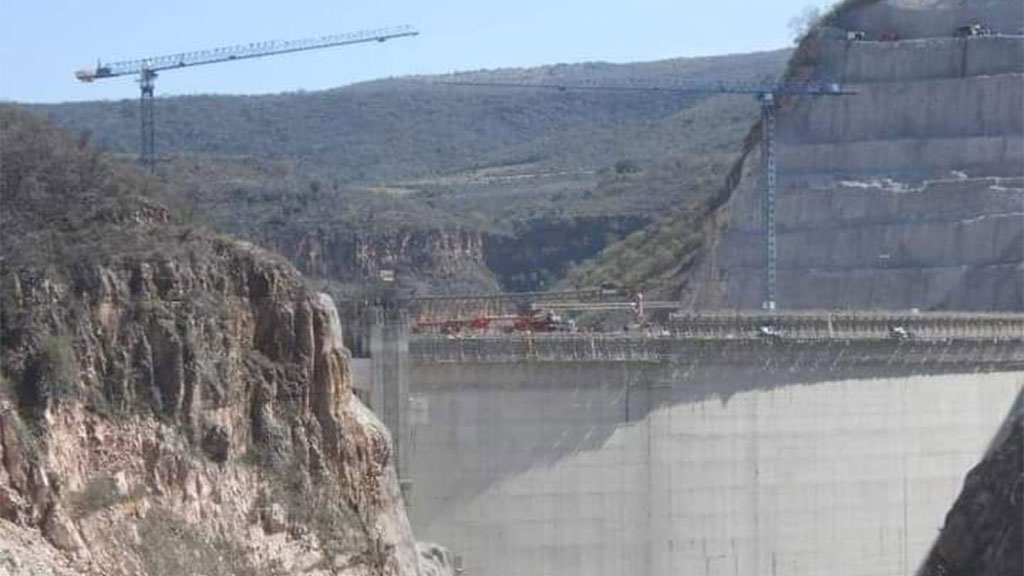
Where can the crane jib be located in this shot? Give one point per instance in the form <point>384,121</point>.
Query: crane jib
<point>783,89</point>
<point>767,94</point>
<point>147,69</point>
<point>239,52</point>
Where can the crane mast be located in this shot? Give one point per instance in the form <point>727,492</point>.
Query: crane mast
<point>147,150</point>
<point>768,172</point>
<point>146,68</point>
<point>766,94</point>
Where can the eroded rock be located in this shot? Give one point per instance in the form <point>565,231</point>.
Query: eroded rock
<point>172,402</point>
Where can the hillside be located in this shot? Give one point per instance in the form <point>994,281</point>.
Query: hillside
<point>909,194</point>
<point>455,188</point>
<point>171,401</point>
<point>414,127</point>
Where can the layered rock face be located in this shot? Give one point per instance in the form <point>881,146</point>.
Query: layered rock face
<point>908,194</point>
<point>172,403</point>
<point>445,260</point>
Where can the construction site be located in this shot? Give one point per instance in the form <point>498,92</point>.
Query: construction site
<point>812,365</point>
<point>820,419</point>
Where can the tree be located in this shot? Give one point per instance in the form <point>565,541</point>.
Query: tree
<point>804,22</point>
<point>626,167</point>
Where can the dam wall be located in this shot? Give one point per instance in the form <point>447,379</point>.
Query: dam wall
<point>708,452</point>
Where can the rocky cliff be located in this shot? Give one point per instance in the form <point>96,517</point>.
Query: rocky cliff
<point>342,236</point>
<point>381,174</point>
<point>984,531</point>
<point>172,402</point>
<point>434,260</point>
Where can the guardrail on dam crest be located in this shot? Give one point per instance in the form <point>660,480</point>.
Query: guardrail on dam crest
<point>796,340</point>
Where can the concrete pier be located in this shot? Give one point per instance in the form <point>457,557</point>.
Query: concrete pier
<point>389,384</point>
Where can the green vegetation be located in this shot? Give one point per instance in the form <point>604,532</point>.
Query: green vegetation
<point>63,201</point>
<point>29,433</point>
<point>57,368</point>
<point>667,155</point>
<point>99,494</point>
<point>626,167</point>
<point>266,200</point>
<point>396,157</point>
<point>812,17</point>
<point>416,127</point>
<point>655,255</point>
<point>67,210</point>
<point>50,375</point>
<point>341,531</point>
<point>659,256</point>
<point>64,206</point>
<point>75,228</point>
<point>833,14</point>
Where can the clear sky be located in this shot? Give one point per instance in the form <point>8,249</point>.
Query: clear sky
<point>42,42</point>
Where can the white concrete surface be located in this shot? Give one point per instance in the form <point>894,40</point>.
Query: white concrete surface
<point>543,472</point>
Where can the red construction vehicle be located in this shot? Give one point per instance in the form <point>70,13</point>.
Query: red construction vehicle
<point>542,321</point>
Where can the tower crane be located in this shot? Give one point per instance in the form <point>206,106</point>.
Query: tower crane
<point>767,95</point>
<point>146,68</point>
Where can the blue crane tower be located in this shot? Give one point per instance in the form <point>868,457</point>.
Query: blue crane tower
<point>768,95</point>
<point>146,68</point>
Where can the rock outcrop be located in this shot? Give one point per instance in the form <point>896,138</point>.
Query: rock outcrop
<point>908,194</point>
<point>172,402</point>
<point>424,260</point>
<point>984,531</point>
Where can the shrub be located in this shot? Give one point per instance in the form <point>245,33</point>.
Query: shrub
<point>626,167</point>
<point>52,374</point>
<point>100,493</point>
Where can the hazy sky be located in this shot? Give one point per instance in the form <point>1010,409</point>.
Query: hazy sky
<point>42,42</point>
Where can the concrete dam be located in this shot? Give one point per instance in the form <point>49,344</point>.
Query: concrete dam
<point>836,449</point>
<point>746,444</point>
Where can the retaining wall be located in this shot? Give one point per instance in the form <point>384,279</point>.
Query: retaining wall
<point>907,158</point>
<point>905,195</point>
<point>941,108</point>
<point>934,18</point>
<point>925,59</point>
<point>993,287</point>
<point>980,241</point>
